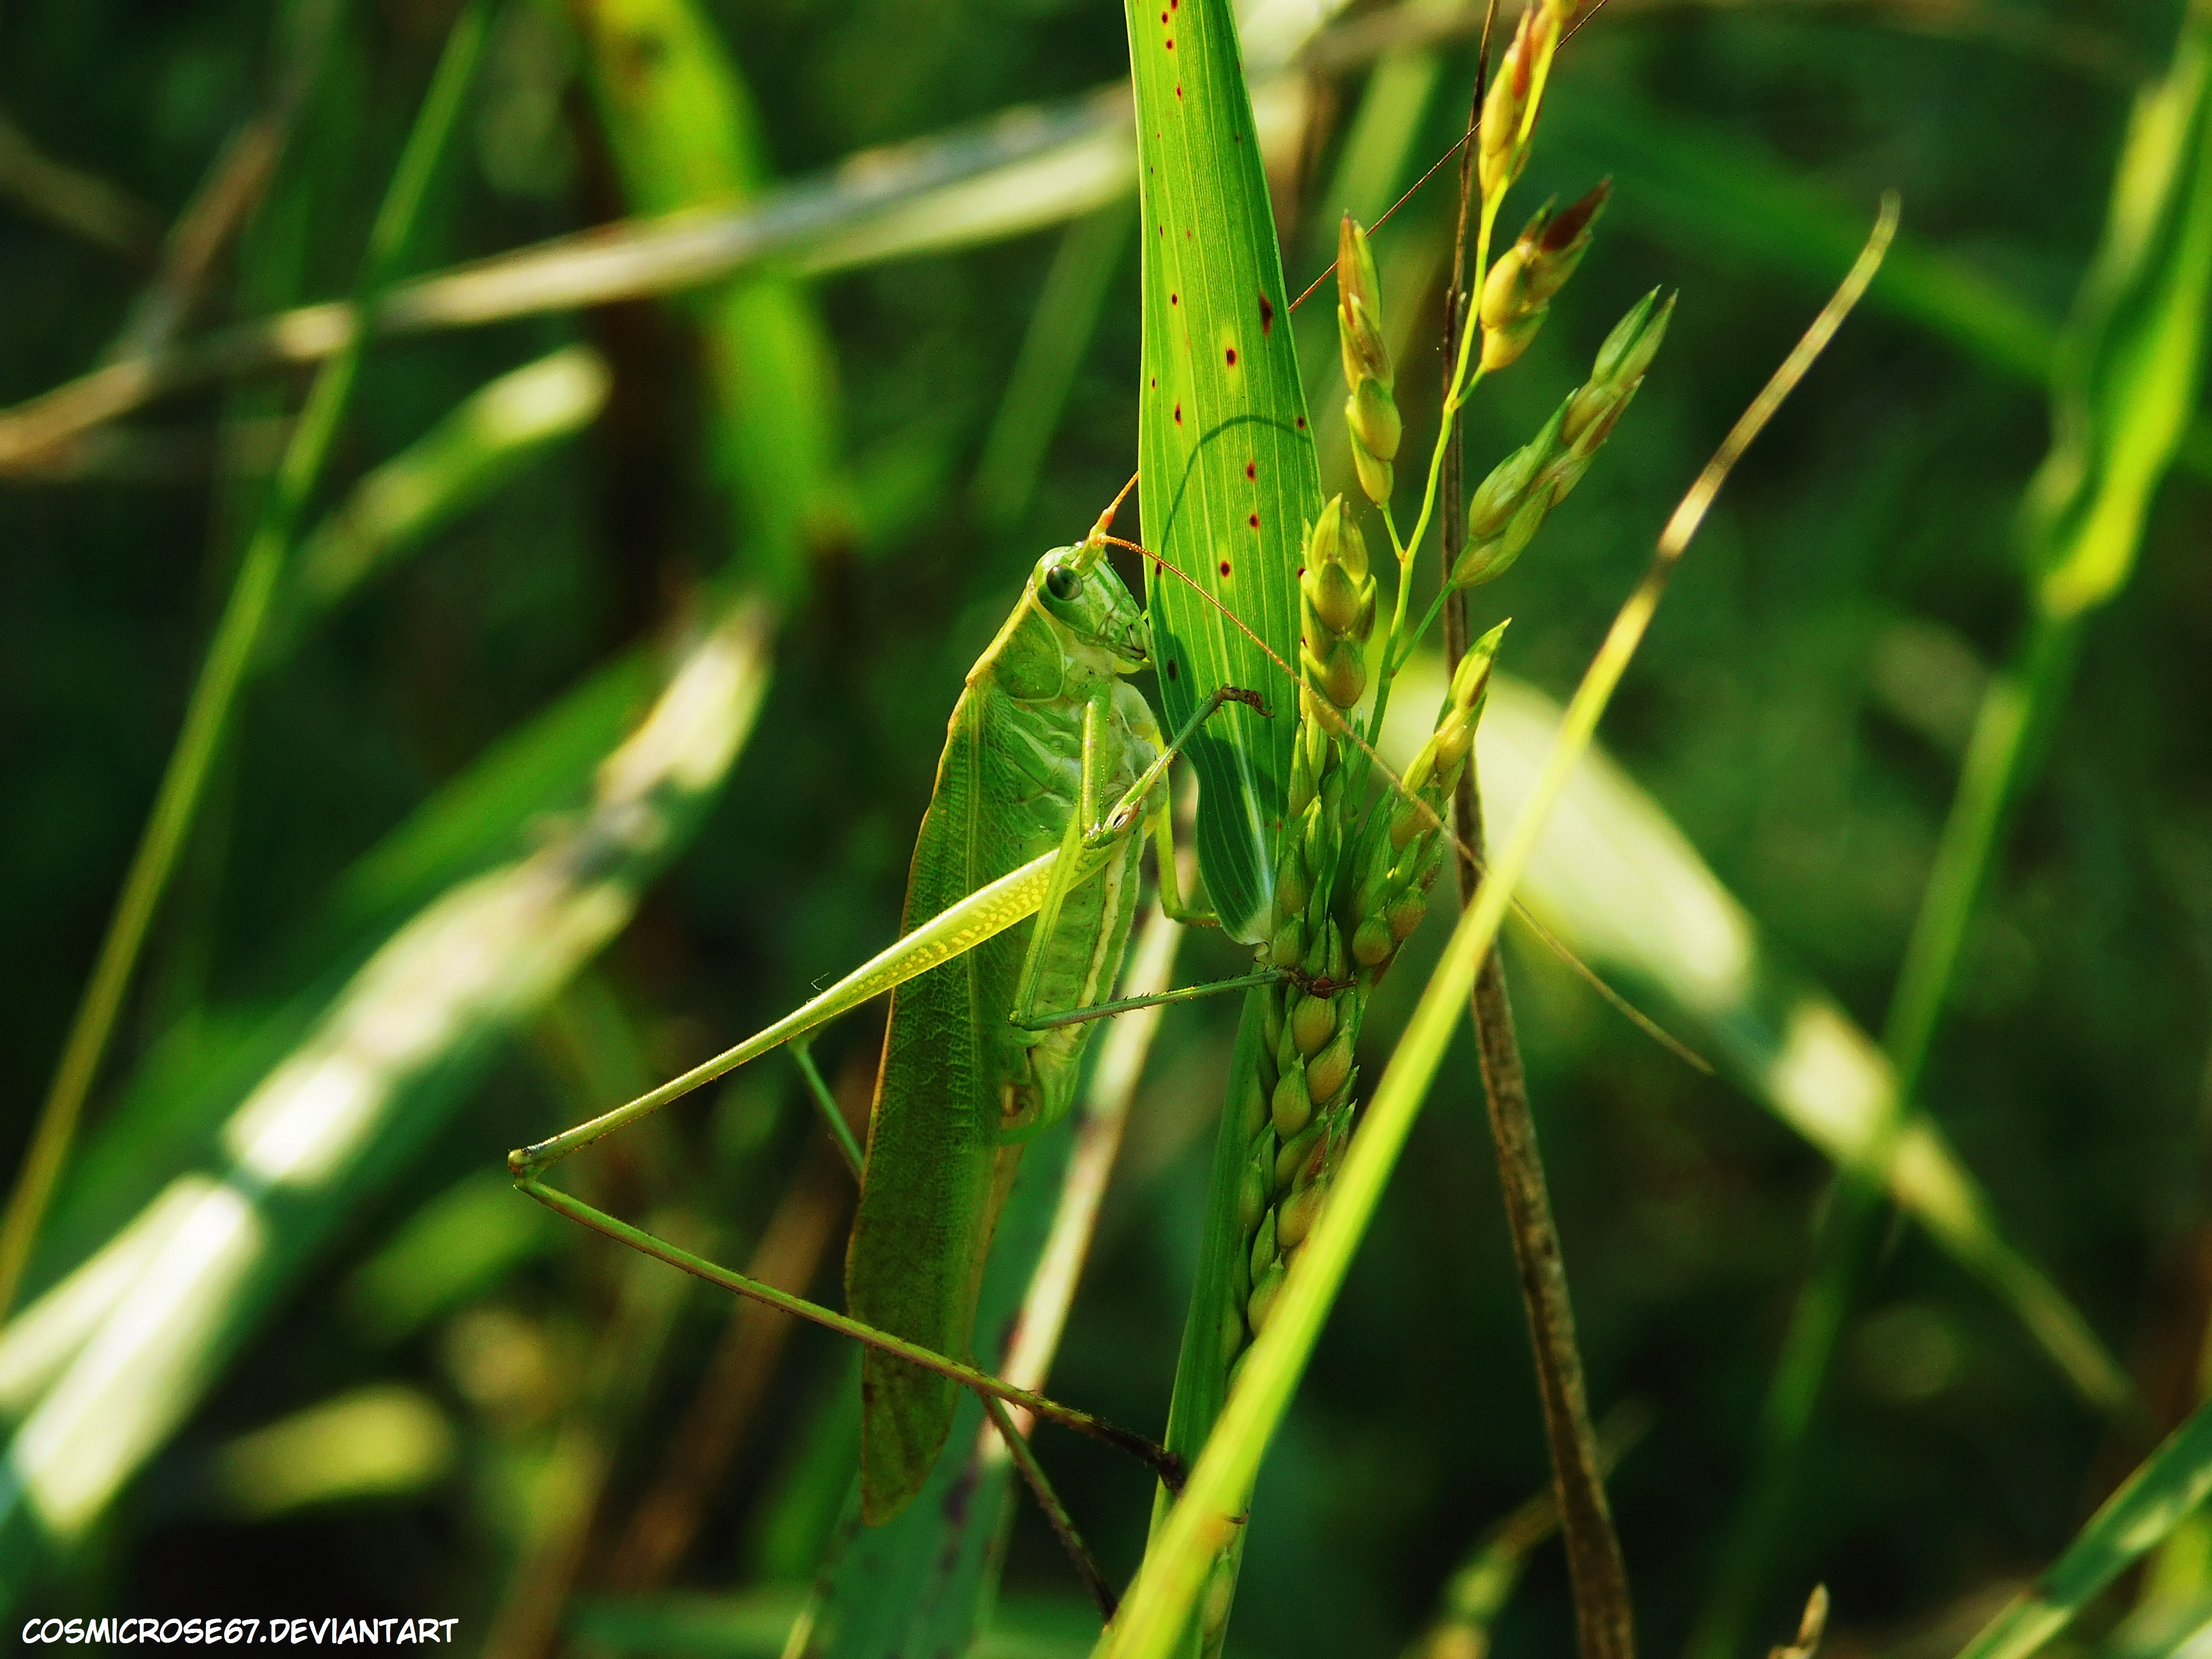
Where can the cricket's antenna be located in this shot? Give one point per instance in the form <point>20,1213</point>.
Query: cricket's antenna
<point>1343,728</point>
<point>1098,531</point>
<point>1433,169</point>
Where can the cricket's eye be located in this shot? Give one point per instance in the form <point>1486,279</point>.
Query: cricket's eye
<point>1062,583</point>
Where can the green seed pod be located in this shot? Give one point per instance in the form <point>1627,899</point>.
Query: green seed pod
<point>1500,495</point>
<point>1351,546</point>
<point>1478,563</point>
<point>1333,595</point>
<point>1295,1219</point>
<point>1590,406</point>
<point>1499,153</point>
<point>1313,1022</point>
<point>1255,1184</point>
<point>1405,912</point>
<point>1293,889</point>
<point>1342,678</point>
<point>1263,1246</point>
<point>1628,350</point>
<point>1265,1289</point>
<point>1325,956</point>
<point>1363,620</point>
<point>1372,414</point>
<point>1356,283</point>
<point>1359,337</point>
<point>1251,1106</point>
<point>1294,1152</point>
<point>1234,1335</point>
<point>1559,243</point>
<point>1322,538</point>
<point>1376,475</point>
<point>1505,297</point>
<point>1292,1104</point>
<point>1409,813</point>
<point>1327,1071</point>
<point>1502,347</point>
<point>1303,780</point>
<point>1289,946</point>
<point>1373,943</point>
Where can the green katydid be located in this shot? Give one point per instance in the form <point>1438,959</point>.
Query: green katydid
<point>1053,762</point>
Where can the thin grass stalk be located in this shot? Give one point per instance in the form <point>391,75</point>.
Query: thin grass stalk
<point>1605,1615</point>
<point>2126,387</point>
<point>1205,1518</point>
<point>223,672</point>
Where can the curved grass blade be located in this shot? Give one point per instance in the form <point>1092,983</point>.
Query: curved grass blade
<point>2167,1487</point>
<point>106,1365</point>
<point>1230,479</point>
<point>1623,888</point>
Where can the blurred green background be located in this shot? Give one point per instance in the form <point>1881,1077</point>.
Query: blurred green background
<point>875,431</point>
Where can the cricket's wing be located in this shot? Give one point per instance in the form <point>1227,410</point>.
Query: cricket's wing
<point>915,1261</point>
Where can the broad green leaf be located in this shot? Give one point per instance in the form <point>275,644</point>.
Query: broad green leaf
<point>1229,481</point>
<point>2166,1489</point>
<point>101,1370</point>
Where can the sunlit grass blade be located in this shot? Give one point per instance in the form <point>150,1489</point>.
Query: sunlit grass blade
<point>1621,885</point>
<point>481,444</point>
<point>1229,481</point>
<point>1205,1517</point>
<point>2166,1489</point>
<point>223,671</point>
<point>2127,381</point>
<point>109,1362</point>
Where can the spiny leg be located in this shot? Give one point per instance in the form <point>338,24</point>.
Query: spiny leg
<point>1125,1004</point>
<point>988,911</point>
<point>1063,1524</point>
<point>1158,1458</point>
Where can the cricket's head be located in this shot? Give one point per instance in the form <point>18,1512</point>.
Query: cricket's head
<point>1077,588</point>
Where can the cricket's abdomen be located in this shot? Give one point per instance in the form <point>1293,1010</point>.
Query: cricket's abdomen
<point>915,1264</point>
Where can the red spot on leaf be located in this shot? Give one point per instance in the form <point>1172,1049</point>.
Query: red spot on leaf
<point>1178,89</point>
<point>1225,570</point>
<point>1302,422</point>
<point>1171,43</point>
<point>1267,314</point>
<point>1176,299</point>
<point>1178,412</point>
<point>1232,357</point>
<point>1252,469</point>
<point>1255,521</point>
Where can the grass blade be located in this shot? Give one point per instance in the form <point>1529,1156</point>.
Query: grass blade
<point>684,134</point>
<point>2165,1490</point>
<point>229,657</point>
<point>125,1346</point>
<point>2127,383</point>
<point>1230,479</point>
<point>1204,1519</point>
